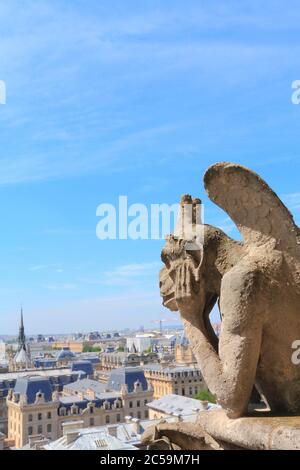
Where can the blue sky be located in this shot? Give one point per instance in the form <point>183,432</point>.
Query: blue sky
<point>129,98</point>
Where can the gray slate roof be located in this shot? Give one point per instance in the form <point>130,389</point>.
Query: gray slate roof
<point>177,405</point>
<point>128,376</point>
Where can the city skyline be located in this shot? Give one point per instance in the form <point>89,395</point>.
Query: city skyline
<point>114,99</point>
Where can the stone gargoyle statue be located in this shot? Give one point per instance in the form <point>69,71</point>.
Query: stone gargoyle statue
<point>256,283</point>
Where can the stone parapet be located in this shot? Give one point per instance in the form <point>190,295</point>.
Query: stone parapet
<point>258,432</point>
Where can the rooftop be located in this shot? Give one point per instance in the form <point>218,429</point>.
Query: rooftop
<point>170,368</point>
<point>90,439</point>
<point>82,387</point>
<point>22,357</point>
<point>65,353</point>
<point>35,372</point>
<point>126,376</point>
<point>124,436</point>
<point>177,405</point>
<point>30,386</point>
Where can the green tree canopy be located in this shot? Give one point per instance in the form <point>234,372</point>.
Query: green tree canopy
<point>205,395</point>
<point>88,348</point>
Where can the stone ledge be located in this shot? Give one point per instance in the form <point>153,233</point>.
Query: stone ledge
<point>257,432</point>
<point>176,436</point>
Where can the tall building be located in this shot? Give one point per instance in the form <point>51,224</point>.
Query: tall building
<point>114,360</point>
<point>32,408</point>
<point>185,380</point>
<point>35,409</point>
<point>58,379</point>
<point>139,343</point>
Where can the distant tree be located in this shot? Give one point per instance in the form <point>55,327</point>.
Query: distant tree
<point>121,349</point>
<point>88,348</point>
<point>148,350</point>
<point>205,395</point>
<point>10,350</point>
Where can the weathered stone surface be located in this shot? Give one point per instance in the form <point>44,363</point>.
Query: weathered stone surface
<point>255,432</point>
<point>256,283</point>
<point>178,436</point>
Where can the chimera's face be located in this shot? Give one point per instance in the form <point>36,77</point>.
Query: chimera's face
<point>175,257</point>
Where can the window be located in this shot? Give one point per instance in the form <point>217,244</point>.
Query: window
<point>146,414</point>
<point>145,402</point>
<point>30,417</point>
<point>191,391</point>
<point>118,418</point>
<point>30,431</point>
<point>92,422</point>
<point>107,419</point>
<point>40,429</point>
<point>91,409</point>
<point>49,428</point>
<point>139,415</point>
<point>182,391</point>
<point>138,403</point>
<point>130,404</point>
<point>49,415</point>
<point>40,416</point>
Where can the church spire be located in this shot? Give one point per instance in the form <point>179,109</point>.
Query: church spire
<point>22,338</point>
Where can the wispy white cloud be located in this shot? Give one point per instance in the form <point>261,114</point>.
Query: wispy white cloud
<point>292,200</point>
<point>49,54</point>
<point>127,275</point>
<point>60,287</point>
<point>133,270</point>
<point>46,267</point>
<point>39,267</point>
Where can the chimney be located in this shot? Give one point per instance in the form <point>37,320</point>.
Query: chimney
<point>37,442</point>
<point>136,425</point>
<point>91,393</point>
<point>203,405</point>
<point>2,437</point>
<point>113,431</point>
<point>72,426</point>
<point>72,436</point>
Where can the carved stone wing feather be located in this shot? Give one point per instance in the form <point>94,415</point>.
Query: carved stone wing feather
<point>257,211</point>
